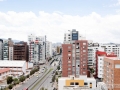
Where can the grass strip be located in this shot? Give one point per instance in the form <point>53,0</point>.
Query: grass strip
<point>40,79</point>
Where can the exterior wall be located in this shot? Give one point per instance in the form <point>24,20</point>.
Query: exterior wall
<point>4,75</point>
<point>39,44</point>
<point>83,83</point>
<point>111,73</point>
<point>74,58</point>
<point>11,53</point>
<point>66,60</point>
<point>20,51</point>
<point>1,49</point>
<point>100,66</point>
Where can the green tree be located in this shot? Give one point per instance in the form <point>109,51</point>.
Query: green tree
<point>56,73</point>
<point>22,78</point>
<point>15,81</point>
<point>58,67</point>
<point>56,79</point>
<point>53,78</point>
<point>10,86</point>
<point>9,80</point>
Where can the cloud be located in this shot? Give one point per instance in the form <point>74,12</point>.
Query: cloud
<point>95,27</point>
<point>116,4</point>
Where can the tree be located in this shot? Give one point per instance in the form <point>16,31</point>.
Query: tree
<point>56,79</point>
<point>58,67</point>
<point>10,86</point>
<point>15,81</point>
<point>56,73</point>
<point>91,70</point>
<point>22,78</point>
<point>9,80</point>
<point>53,78</point>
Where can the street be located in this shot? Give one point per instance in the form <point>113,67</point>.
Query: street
<point>43,80</point>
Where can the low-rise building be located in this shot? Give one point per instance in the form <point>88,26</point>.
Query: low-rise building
<point>17,67</point>
<point>4,73</point>
<point>76,83</point>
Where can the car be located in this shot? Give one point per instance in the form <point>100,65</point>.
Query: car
<point>25,89</point>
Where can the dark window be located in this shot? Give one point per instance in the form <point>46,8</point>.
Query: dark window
<point>76,83</point>
<point>72,83</point>
<point>85,83</point>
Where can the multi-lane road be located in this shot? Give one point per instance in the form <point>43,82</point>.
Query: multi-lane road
<point>43,80</point>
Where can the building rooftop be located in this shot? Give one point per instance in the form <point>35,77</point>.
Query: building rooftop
<point>113,58</point>
<point>13,63</point>
<point>4,70</point>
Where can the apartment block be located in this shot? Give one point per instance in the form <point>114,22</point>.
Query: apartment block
<point>112,73</point>
<point>20,51</point>
<point>37,48</point>
<point>1,49</point>
<point>8,49</point>
<point>74,55</point>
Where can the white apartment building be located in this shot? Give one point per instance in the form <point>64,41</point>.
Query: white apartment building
<point>37,48</point>
<point>17,67</point>
<point>48,49</point>
<point>77,83</point>
<point>1,49</point>
<point>110,47</point>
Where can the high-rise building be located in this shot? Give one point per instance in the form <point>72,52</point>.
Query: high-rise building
<point>37,48</point>
<point>20,51</point>
<point>74,54</point>
<point>48,49</point>
<point>112,73</point>
<point>8,49</point>
<point>1,49</point>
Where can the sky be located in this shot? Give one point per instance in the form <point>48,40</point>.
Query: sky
<point>97,20</point>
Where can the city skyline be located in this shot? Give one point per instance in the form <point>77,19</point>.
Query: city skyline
<point>96,20</point>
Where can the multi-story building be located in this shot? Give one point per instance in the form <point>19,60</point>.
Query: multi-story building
<point>111,47</point>
<point>20,51</point>
<point>48,49</point>
<point>112,73</point>
<point>8,49</point>
<point>1,49</point>
<point>74,55</point>
<point>37,49</point>
<point>76,83</point>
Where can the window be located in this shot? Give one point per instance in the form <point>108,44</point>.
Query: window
<point>84,50</point>
<point>85,83</point>
<point>69,68</point>
<point>76,83</point>
<point>72,83</point>
<point>84,43</point>
<point>69,47</point>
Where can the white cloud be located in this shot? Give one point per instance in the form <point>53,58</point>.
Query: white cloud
<point>116,4</point>
<point>95,27</point>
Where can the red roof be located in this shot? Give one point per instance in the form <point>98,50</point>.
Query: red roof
<point>4,70</point>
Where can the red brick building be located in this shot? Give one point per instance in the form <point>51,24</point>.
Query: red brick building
<point>75,58</point>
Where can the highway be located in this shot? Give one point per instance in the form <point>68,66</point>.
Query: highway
<point>43,79</point>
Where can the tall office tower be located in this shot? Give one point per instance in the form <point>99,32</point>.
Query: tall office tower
<point>20,51</point>
<point>37,48</point>
<point>8,49</point>
<point>1,49</point>
<point>74,54</point>
<point>48,49</point>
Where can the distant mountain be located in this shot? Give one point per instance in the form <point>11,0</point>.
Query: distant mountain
<point>12,40</point>
<point>56,44</point>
